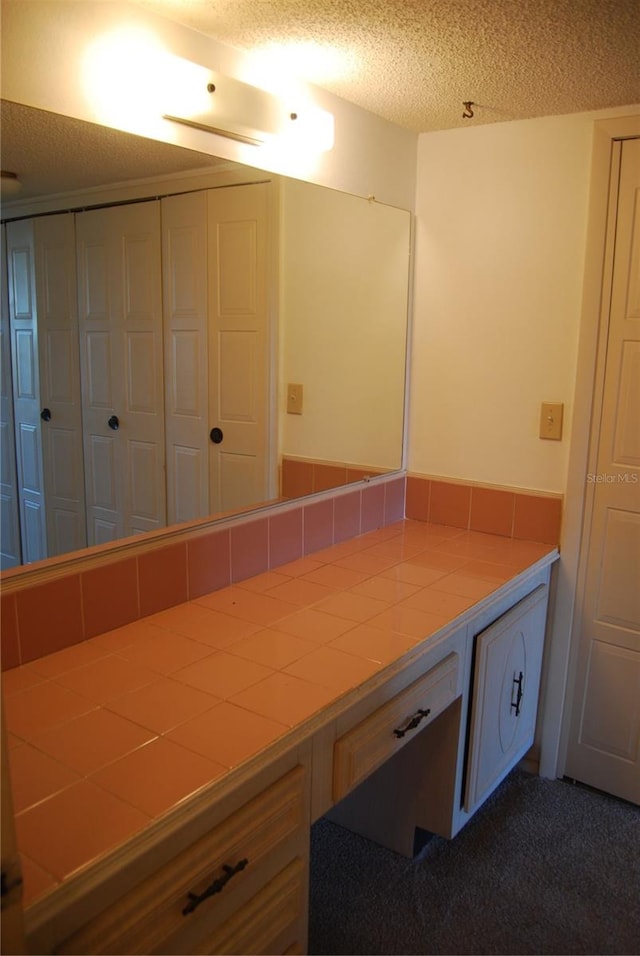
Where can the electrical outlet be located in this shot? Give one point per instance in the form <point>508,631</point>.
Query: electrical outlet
<point>551,420</point>
<point>294,399</point>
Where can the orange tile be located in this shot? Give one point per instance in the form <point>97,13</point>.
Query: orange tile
<point>470,544</point>
<point>162,576</point>
<point>256,608</point>
<point>299,591</point>
<point>75,826</point>
<point>92,740</point>
<point>227,734</point>
<point>295,569</point>
<point>398,549</point>
<point>272,648</point>
<point>418,491</point>
<point>488,570</point>
<point>249,549</point>
<point>517,554</point>
<point>415,574</point>
<point>55,664</point>
<point>333,669</point>
<point>158,776</point>
<point>437,560</point>
<point>440,603</point>
<point>35,776</point>
<point>450,504</point>
<point>44,705</point>
<point>492,510</point>
<point>372,509</point>
<point>20,678</point>
<point>223,674</point>
<point>208,563</point>
<point>314,626</point>
<point>264,582</point>
<point>106,678</point>
<point>317,526</point>
<point>285,698</point>
<point>285,537</point>
<point>297,478</point>
<point>388,589</point>
<point>346,515</point>
<point>35,881</point>
<point>334,576</point>
<point>113,641</point>
<point>165,652</point>
<point>163,705</point>
<point>394,500</point>
<point>180,618</point>
<point>465,585</point>
<point>328,476</point>
<point>49,617</point>
<point>352,607</point>
<point>366,561</point>
<point>373,644</point>
<point>10,652</point>
<point>110,596</point>
<point>537,518</point>
<point>217,630</point>
<point>409,620</point>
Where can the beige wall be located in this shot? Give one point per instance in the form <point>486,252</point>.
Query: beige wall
<point>500,242</point>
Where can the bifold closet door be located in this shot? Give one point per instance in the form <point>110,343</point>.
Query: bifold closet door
<point>120,313</point>
<point>9,515</point>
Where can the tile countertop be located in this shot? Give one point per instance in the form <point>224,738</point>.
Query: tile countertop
<point>108,735</point>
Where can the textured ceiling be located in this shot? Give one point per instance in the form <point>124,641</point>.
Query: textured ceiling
<point>414,62</point>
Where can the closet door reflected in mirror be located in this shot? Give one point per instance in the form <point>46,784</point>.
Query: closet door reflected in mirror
<point>120,309</point>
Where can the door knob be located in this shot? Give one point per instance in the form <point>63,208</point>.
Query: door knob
<point>45,414</point>
<point>114,423</point>
<point>216,435</point>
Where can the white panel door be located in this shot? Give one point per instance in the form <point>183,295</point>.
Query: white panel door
<point>9,515</point>
<point>604,743</point>
<point>240,297</point>
<point>23,320</point>
<point>59,362</point>
<point>120,315</point>
<point>184,263</point>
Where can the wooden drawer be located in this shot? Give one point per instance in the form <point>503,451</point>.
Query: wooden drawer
<point>267,923</point>
<point>366,747</point>
<point>153,911</point>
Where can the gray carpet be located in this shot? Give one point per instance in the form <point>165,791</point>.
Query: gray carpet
<point>544,867</point>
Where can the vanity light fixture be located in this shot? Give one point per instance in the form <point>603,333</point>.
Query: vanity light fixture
<point>10,184</point>
<point>237,111</point>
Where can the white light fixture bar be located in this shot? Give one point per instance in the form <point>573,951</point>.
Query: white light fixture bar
<point>232,109</point>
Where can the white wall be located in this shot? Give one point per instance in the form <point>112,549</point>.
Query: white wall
<point>52,53</point>
<point>500,244</point>
<point>343,326</point>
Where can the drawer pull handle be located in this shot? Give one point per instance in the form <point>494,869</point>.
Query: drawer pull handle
<point>413,723</point>
<point>515,705</point>
<point>195,899</point>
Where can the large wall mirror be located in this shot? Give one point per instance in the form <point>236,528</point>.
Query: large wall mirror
<point>184,337</point>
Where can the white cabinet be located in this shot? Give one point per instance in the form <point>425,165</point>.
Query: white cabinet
<point>504,702</point>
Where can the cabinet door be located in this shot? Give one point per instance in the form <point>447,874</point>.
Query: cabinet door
<point>508,661</point>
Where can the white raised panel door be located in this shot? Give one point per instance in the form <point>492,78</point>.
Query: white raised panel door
<point>184,257</point>
<point>120,315</point>
<point>508,662</point>
<point>59,362</point>
<point>9,515</point>
<point>239,345</point>
<point>23,320</point>
<point>604,742</point>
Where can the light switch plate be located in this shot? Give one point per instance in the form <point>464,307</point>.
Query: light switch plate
<point>294,399</point>
<point>551,420</point>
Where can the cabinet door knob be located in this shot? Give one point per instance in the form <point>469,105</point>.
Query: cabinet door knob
<point>195,899</point>
<point>515,704</point>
